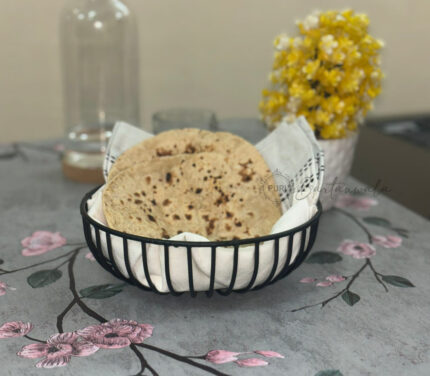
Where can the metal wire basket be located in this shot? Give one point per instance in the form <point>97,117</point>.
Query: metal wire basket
<point>93,230</point>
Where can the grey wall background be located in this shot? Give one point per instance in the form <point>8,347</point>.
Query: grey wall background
<point>201,53</point>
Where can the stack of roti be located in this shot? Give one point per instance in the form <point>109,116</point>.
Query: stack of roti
<point>194,181</point>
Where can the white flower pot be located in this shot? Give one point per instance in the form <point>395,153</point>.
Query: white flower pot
<point>338,157</point>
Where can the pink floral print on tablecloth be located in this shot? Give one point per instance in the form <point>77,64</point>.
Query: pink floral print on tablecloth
<point>308,280</point>
<point>116,333</point>
<point>328,281</point>
<point>356,249</point>
<point>58,350</point>
<point>90,256</point>
<point>269,354</point>
<point>355,202</point>
<point>15,329</point>
<point>324,284</point>
<point>251,362</point>
<point>221,356</point>
<point>4,287</point>
<point>335,278</point>
<point>41,242</point>
<point>389,241</point>
<point>225,356</point>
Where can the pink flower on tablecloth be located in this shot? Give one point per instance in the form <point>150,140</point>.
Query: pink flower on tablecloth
<point>59,147</point>
<point>356,249</point>
<point>116,333</point>
<point>335,278</point>
<point>269,354</point>
<point>41,242</point>
<point>355,202</point>
<point>90,256</point>
<point>251,362</point>
<point>307,280</point>
<point>58,350</point>
<point>324,284</point>
<point>15,329</point>
<point>221,356</point>
<point>4,287</point>
<point>389,241</point>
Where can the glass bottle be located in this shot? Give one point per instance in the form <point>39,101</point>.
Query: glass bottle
<point>100,76</point>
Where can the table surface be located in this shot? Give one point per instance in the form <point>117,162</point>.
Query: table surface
<point>384,333</point>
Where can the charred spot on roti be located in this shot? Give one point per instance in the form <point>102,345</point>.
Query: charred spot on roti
<point>190,149</point>
<point>211,226</point>
<point>164,233</point>
<point>163,152</point>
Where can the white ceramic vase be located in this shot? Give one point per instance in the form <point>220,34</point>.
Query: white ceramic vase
<point>338,157</point>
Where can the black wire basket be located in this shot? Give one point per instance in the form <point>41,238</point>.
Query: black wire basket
<point>93,233</point>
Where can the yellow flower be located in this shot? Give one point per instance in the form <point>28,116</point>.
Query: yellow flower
<point>310,69</point>
<point>333,104</point>
<point>351,82</point>
<point>373,92</point>
<point>330,73</point>
<point>328,43</point>
<point>294,56</point>
<point>297,89</point>
<point>323,117</point>
<point>331,78</point>
<point>282,42</point>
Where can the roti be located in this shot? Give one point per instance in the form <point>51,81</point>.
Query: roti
<point>213,194</point>
<point>191,141</point>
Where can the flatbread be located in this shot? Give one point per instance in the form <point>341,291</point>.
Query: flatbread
<point>207,193</point>
<point>190,141</point>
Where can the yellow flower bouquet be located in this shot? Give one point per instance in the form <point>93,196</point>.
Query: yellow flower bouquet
<point>330,73</point>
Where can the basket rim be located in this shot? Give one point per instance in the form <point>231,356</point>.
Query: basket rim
<point>185,243</point>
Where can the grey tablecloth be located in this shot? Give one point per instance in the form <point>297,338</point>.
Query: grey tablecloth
<point>383,333</point>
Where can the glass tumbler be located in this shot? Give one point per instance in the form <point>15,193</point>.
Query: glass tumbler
<point>184,118</point>
<point>100,76</point>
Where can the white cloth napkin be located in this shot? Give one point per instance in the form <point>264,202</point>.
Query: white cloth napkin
<point>292,153</point>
